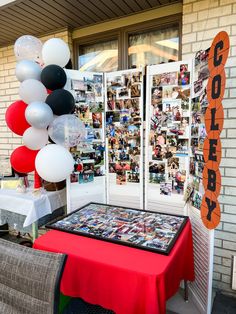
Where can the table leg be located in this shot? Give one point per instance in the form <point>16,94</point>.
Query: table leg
<point>35,230</point>
<point>185,290</point>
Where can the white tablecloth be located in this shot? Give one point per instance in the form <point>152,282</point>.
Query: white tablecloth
<point>30,205</point>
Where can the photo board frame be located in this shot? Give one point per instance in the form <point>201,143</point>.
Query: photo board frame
<point>146,230</point>
<point>88,178</point>
<point>167,138</point>
<point>124,137</point>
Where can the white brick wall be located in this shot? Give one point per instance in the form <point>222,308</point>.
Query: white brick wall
<point>202,20</point>
<point>9,91</point>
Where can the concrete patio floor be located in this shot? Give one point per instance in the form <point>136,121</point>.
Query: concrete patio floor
<point>177,305</point>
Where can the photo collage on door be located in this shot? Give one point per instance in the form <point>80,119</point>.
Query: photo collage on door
<point>123,124</point>
<point>89,155</point>
<point>169,132</point>
<point>198,131</point>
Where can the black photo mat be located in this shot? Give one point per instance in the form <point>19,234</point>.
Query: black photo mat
<point>146,230</point>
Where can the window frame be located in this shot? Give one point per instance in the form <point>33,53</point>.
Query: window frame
<point>122,35</point>
<point>93,39</point>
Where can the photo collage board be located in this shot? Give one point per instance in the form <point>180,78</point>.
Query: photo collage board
<point>124,126</point>
<point>198,130</point>
<point>89,155</point>
<point>145,230</point>
<point>168,129</point>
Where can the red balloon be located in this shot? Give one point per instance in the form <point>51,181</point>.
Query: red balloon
<point>15,117</point>
<point>23,159</point>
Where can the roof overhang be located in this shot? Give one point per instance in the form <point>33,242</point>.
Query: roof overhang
<point>36,17</point>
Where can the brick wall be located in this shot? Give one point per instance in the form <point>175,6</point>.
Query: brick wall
<point>9,91</point>
<point>202,20</point>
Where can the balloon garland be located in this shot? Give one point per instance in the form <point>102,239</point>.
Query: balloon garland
<point>45,109</point>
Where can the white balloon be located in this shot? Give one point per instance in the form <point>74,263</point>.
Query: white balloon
<point>32,90</point>
<point>35,138</point>
<point>55,51</point>
<point>67,130</point>
<point>54,163</point>
<point>28,47</point>
<point>27,69</point>
<point>39,114</point>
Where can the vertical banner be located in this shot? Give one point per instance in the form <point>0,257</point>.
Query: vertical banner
<point>87,183</point>
<point>168,92</point>
<point>124,137</point>
<point>218,54</point>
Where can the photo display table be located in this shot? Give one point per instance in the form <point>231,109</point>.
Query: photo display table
<point>121,278</point>
<point>33,207</point>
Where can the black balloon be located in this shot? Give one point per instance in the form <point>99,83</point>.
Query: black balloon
<point>50,140</point>
<point>53,77</point>
<point>61,102</point>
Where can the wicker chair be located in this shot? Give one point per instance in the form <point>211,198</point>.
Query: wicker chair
<point>29,280</point>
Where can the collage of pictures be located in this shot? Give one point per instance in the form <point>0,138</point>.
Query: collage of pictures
<point>89,155</point>
<point>169,129</point>
<point>123,124</point>
<point>198,131</point>
<point>142,229</point>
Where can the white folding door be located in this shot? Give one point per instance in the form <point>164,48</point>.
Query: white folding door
<point>168,99</point>
<point>87,183</point>
<point>124,137</point>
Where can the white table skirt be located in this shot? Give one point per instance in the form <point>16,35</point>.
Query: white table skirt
<point>30,205</point>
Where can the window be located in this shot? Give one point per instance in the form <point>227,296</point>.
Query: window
<point>99,57</point>
<point>153,47</point>
<point>152,42</point>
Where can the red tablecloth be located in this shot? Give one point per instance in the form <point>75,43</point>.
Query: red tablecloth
<point>123,279</point>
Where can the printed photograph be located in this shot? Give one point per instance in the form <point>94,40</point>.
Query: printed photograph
<point>156,80</point>
<point>125,116</point>
<point>123,92</point>
<point>87,173</point>
<point>156,95</point>
<point>166,188</point>
<point>97,120</point>
<point>184,78</point>
<point>112,117</point>
<point>156,178</point>
<point>157,167</point>
<point>112,167</point>
<point>74,178</point>
<point>183,68</point>
<point>172,167</point>
<point>97,78</point>
<point>78,85</point>
<point>158,152</point>
<point>132,177</point>
<point>136,90</point>
<point>99,171</point>
<point>96,106</point>
<point>168,92</point>
<point>120,177</point>
<point>169,78</point>
<point>136,77</point>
